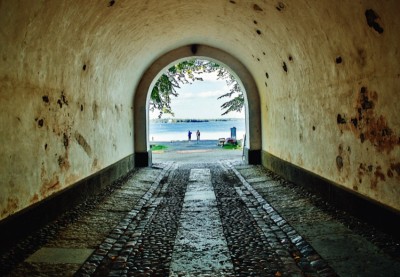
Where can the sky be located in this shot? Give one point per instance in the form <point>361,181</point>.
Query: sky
<point>199,100</point>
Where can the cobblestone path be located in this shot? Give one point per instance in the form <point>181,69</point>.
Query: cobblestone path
<point>204,221</point>
<point>211,219</point>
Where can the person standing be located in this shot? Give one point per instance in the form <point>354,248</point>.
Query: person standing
<point>189,135</point>
<point>198,136</point>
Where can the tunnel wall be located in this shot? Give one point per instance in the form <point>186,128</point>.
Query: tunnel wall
<point>59,95</point>
<point>336,112</point>
<point>327,73</point>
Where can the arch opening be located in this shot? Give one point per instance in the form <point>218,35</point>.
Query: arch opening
<point>253,143</point>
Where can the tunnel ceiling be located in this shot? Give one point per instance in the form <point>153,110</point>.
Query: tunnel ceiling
<point>327,73</point>
<point>272,38</point>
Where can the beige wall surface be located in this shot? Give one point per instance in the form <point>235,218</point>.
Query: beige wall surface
<point>327,72</point>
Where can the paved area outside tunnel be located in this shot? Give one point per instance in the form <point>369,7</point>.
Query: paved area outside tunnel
<point>221,218</point>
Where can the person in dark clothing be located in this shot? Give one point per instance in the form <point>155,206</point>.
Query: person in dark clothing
<point>198,135</point>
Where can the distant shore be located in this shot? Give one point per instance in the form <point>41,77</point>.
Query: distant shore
<point>211,129</point>
<point>177,120</point>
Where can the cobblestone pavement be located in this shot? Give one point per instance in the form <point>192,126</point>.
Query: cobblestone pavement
<point>205,219</point>
<point>351,247</point>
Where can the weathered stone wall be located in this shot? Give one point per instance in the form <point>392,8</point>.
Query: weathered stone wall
<point>331,101</point>
<point>327,73</point>
<point>65,102</point>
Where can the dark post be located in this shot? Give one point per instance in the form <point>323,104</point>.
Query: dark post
<point>233,132</point>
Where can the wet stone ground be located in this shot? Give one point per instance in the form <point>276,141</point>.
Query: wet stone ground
<point>210,219</point>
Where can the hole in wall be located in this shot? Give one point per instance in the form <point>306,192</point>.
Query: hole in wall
<point>45,99</point>
<point>233,2</point>
<point>266,75</point>
<point>264,53</point>
<point>371,17</point>
<point>255,22</point>
<point>366,103</point>
<point>338,60</point>
<point>284,67</point>
<point>362,137</point>
<point>65,140</point>
<point>339,162</point>
<point>363,90</point>
<point>266,85</point>
<point>354,121</point>
<point>290,58</point>
<point>45,146</point>
<point>81,108</point>
<point>84,67</point>
<point>257,8</point>
<point>340,119</point>
<point>258,32</point>
<point>280,6</point>
<point>111,3</point>
<point>40,122</point>
<point>313,128</point>
<point>62,100</point>
<point>61,161</point>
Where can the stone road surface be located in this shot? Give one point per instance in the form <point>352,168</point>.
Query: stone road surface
<point>204,219</point>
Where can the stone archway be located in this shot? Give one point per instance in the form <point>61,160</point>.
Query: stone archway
<point>141,104</point>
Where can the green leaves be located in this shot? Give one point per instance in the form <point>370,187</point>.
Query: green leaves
<point>234,105</point>
<point>185,73</point>
<point>160,95</point>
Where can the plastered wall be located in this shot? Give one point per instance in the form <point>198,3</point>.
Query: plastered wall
<point>336,113</point>
<point>327,73</point>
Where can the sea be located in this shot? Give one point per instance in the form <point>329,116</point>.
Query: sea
<point>209,129</point>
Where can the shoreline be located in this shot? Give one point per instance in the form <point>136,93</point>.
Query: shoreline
<point>179,141</point>
<point>211,130</point>
<point>191,120</point>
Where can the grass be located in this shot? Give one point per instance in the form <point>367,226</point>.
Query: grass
<point>158,147</point>
<point>230,146</point>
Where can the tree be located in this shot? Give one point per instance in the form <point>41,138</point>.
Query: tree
<point>187,72</point>
<point>237,103</point>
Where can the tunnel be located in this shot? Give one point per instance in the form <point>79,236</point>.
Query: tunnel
<point>322,80</point>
